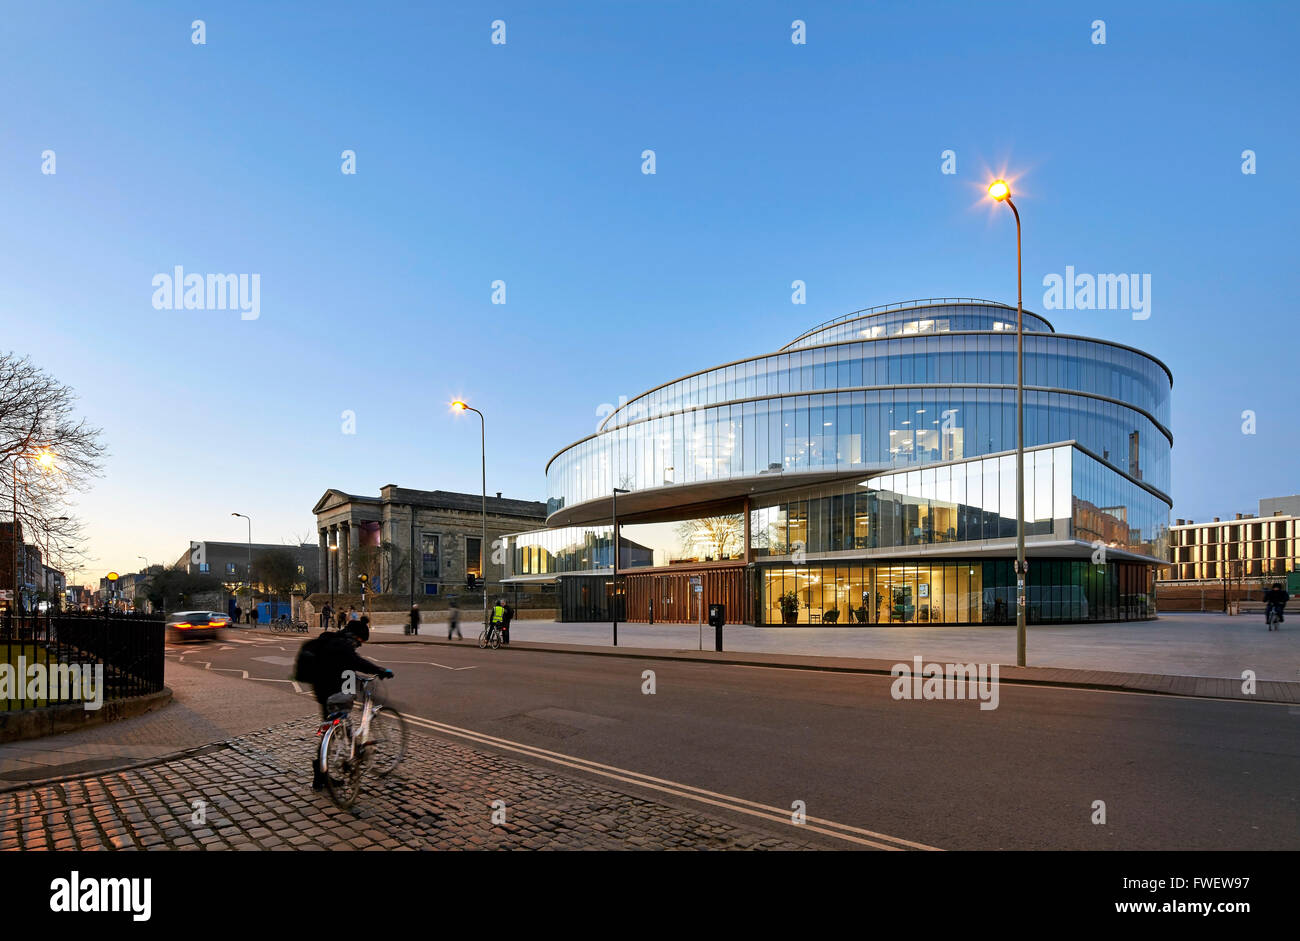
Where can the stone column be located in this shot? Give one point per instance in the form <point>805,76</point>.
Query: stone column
<point>354,543</point>
<point>334,558</point>
<point>345,562</point>
<point>322,563</point>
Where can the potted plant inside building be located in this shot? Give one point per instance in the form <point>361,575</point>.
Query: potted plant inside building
<point>789,603</point>
<point>861,614</point>
<point>831,616</point>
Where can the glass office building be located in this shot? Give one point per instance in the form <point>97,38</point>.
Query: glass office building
<point>865,474</point>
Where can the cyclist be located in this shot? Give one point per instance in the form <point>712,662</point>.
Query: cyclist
<point>1275,598</point>
<point>334,653</point>
<point>498,617</point>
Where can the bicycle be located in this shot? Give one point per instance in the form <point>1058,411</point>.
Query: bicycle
<point>288,627</point>
<point>1272,617</point>
<point>375,746</point>
<point>490,636</point>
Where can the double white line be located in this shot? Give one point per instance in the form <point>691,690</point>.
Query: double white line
<point>841,831</point>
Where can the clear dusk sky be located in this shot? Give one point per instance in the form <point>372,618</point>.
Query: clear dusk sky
<point>522,162</point>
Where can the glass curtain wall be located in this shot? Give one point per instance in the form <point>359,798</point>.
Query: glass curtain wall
<point>964,592</point>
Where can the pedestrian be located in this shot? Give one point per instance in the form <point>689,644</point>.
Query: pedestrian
<point>325,614</point>
<point>342,619</point>
<point>352,613</point>
<point>453,620</point>
<point>253,614</point>
<point>414,627</point>
<point>239,612</point>
<point>505,623</point>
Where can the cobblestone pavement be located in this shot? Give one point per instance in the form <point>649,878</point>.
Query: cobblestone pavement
<point>257,789</point>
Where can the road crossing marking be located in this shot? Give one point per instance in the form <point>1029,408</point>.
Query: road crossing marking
<point>725,801</point>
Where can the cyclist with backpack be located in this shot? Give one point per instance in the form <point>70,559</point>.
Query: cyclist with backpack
<point>323,661</point>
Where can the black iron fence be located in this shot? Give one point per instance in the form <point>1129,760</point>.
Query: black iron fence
<point>78,657</point>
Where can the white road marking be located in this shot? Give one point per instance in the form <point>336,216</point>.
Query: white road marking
<point>840,831</point>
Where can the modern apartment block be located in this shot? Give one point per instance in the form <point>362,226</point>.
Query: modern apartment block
<point>1243,547</point>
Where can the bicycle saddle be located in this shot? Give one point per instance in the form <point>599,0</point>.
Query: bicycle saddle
<point>340,702</point>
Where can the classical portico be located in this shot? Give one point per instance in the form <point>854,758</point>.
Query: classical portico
<point>414,542</point>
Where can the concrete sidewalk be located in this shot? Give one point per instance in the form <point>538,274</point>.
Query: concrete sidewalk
<point>1182,654</point>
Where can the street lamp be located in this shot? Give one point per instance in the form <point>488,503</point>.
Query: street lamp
<point>249,573</point>
<point>460,406</point>
<point>331,576</point>
<point>1000,191</point>
<point>613,601</point>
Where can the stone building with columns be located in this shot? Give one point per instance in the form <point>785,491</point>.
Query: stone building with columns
<point>415,543</point>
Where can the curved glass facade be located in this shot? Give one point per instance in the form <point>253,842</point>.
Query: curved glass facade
<point>946,318</point>
<point>866,474</point>
<point>872,405</point>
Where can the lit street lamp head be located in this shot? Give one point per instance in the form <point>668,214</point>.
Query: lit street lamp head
<point>999,190</point>
<point>459,406</point>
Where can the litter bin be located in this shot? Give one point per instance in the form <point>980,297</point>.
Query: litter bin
<point>717,618</point>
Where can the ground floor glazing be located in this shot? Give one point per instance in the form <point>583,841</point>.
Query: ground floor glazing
<point>865,594</point>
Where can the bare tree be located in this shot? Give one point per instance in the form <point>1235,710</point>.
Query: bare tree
<point>714,537</point>
<point>46,451</point>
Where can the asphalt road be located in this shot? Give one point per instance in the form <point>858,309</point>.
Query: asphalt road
<point>1173,773</point>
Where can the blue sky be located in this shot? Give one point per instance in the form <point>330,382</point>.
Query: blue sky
<point>522,162</point>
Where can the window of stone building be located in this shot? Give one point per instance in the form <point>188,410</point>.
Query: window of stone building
<point>429,556</point>
<point>430,588</point>
<point>473,556</point>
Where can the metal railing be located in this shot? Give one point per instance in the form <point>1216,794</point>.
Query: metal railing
<point>122,652</point>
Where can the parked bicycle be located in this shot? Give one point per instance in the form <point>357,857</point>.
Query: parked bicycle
<point>374,745</point>
<point>288,627</point>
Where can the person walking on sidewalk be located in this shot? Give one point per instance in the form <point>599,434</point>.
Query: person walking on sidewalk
<point>252,614</point>
<point>414,626</point>
<point>326,613</point>
<point>453,620</point>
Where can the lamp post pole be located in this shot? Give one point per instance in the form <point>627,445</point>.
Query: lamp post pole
<point>1000,191</point>
<point>613,600</point>
<point>248,580</point>
<point>482,546</point>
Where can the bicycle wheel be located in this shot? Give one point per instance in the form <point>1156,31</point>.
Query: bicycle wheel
<point>387,741</point>
<point>342,773</point>
<point>494,641</point>
<point>483,638</point>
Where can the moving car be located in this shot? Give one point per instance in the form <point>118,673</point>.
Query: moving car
<point>189,626</point>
